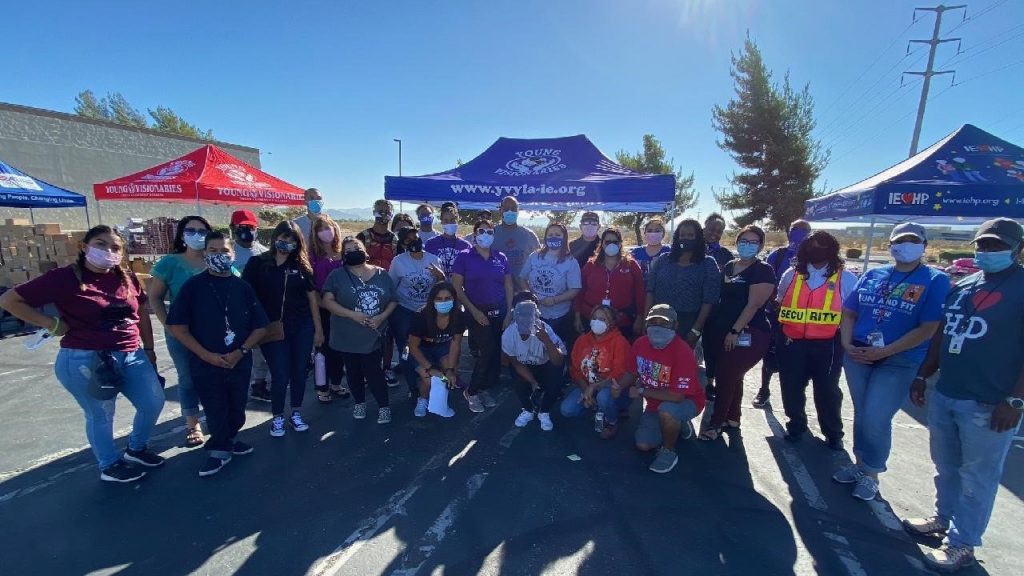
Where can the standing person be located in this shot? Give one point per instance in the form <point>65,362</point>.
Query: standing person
<point>401,220</point>
<point>887,324</point>
<point>243,230</point>
<point>425,216</point>
<point>218,318</point>
<point>536,354</point>
<point>435,342</point>
<point>553,276</point>
<point>714,227</point>
<point>413,272</point>
<point>98,314</point>
<point>654,246</point>
<point>381,246</point>
<point>588,244</point>
<point>361,297</point>
<point>314,205</point>
<point>169,275</point>
<point>975,407</point>
<point>613,279</point>
<point>780,260</point>
<point>325,257</point>
<point>687,279</point>
<point>511,239</point>
<point>283,281</point>
<point>663,371</point>
<point>738,333</point>
<point>480,215</point>
<point>447,245</point>
<point>483,283</point>
<point>600,360</point>
<point>810,298</point>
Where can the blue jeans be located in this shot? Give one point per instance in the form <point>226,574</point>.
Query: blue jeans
<point>572,405</point>
<point>969,459</point>
<point>288,360</point>
<point>187,395</point>
<point>141,387</point>
<point>877,392</point>
<point>436,354</point>
<point>401,323</point>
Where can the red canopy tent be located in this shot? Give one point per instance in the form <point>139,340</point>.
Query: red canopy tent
<point>206,175</point>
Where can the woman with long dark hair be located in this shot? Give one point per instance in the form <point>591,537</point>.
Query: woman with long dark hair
<point>101,316</point>
<point>169,274</point>
<point>612,278</point>
<point>686,279</point>
<point>284,284</point>
<point>325,257</point>
<point>435,342</point>
<point>553,276</point>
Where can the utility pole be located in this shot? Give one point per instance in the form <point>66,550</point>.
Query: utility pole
<point>930,71</point>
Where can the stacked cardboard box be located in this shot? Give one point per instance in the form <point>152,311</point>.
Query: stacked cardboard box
<point>28,251</point>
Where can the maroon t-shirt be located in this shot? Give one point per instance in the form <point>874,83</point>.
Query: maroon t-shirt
<point>104,316</point>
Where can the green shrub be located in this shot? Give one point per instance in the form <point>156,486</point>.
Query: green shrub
<point>854,253</point>
<point>950,255</point>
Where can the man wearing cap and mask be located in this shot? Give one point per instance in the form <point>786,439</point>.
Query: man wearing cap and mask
<point>537,355</point>
<point>314,204</point>
<point>243,230</point>
<point>511,239</point>
<point>975,407</point>
<point>585,247</point>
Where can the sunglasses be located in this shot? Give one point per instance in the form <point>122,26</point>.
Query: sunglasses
<point>195,232</point>
<point>489,232</point>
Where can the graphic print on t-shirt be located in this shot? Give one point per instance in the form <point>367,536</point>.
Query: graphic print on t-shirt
<point>368,300</point>
<point>591,366</point>
<point>887,298</point>
<point>959,316</point>
<point>542,280</point>
<point>416,285</point>
<point>653,374</point>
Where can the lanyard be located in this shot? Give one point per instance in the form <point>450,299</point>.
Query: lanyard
<point>892,286</point>
<point>223,303</point>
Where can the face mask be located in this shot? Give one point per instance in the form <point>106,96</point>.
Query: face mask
<point>415,246</point>
<point>654,238</point>
<point>355,258</point>
<point>817,254</point>
<point>326,235</point>
<point>589,230</point>
<point>450,229</point>
<point>659,336</point>
<point>195,241</point>
<point>315,206</point>
<point>444,307</point>
<point>510,217</point>
<point>747,251</point>
<point>714,245</point>
<point>612,249</point>
<point>285,246</point>
<point>797,236</point>
<point>907,252</point>
<point>485,240</point>
<point>598,326</point>
<point>101,258</point>
<point>427,220</point>
<point>245,235</point>
<point>553,243</point>
<point>686,245</point>
<point>382,217</point>
<point>992,262</point>
<point>218,262</point>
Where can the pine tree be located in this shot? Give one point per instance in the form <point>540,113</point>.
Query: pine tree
<point>652,161</point>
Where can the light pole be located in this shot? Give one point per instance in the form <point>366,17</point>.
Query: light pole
<point>401,205</point>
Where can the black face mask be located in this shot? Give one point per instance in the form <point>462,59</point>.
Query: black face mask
<point>415,246</point>
<point>686,245</point>
<point>245,235</point>
<point>355,258</point>
<point>817,253</point>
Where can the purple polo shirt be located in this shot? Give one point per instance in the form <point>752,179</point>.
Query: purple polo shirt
<point>484,280</point>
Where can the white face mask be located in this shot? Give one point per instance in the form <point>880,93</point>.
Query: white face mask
<point>589,231</point>
<point>612,250</point>
<point>598,326</point>
<point>907,252</point>
<point>450,229</point>
<point>485,240</point>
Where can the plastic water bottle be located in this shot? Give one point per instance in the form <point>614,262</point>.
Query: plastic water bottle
<point>38,339</point>
<point>320,370</point>
<point>599,422</point>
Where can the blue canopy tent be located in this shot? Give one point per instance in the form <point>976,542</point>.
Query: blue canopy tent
<point>19,190</point>
<point>567,173</point>
<point>966,178</point>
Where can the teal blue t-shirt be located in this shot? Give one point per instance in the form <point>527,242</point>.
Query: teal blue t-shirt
<point>174,270</point>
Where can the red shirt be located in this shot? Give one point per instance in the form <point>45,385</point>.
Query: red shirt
<point>594,360</point>
<point>673,368</point>
<point>623,285</point>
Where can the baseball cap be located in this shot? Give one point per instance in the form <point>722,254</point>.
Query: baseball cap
<point>909,229</point>
<point>590,216</point>
<point>244,218</point>
<point>663,311</point>
<point>525,314</point>
<point>1005,230</point>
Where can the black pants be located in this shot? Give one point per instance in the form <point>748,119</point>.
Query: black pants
<point>366,370</point>
<point>223,393</point>
<point>334,360</point>
<point>821,363</point>
<point>549,376</point>
<point>487,368</point>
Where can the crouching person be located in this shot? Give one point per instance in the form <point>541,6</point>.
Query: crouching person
<point>218,318</point>
<point>663,373</point>
<point>536,354</point>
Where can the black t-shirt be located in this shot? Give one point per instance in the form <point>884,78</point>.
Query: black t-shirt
<point>583,250</point>
<point>735,293</point>
<point>438,337</point>
<point>269,281</point>
<point>210,305</point>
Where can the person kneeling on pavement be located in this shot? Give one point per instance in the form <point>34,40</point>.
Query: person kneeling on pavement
<point>536,354</point>
<point>663,371</point>
<point>219,319</point>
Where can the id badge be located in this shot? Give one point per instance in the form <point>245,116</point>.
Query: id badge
<point>876,339</point>
<point>229,337</point>
<point>606,302</point>
<point>956,343</point>
<point>743,340</point>
<point>493,313</point>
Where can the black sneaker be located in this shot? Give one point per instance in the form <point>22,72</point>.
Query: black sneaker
<point>144,457</point>
<point>260,393</point>
<point>835,444</point>
<point>121,471</point>
<point>794,436</point>
<point>241,448</point>
<point>213,465</point>
<point>761,400</point>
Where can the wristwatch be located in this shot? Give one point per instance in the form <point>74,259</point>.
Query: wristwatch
<point>244,350</point>
<point>1015,402</point>
<point>734,332</point>
<point>696,332</point>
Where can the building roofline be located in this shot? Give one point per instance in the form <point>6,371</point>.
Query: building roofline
<point>109,124</point>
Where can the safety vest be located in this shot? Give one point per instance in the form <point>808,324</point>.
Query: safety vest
<point>811,314</point>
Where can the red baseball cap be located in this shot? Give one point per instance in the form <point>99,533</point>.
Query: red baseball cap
<point>244,218</point>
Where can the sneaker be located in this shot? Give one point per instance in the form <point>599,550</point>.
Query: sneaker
<point>297,423</point>
<point>866,488</point>
<point>793,437</point>
<point>609,431</point>
<point>340,391</point>
<point>260,393</point>
<point>121,471</point>
<point>384,415</point>
<point>545,422</point>
<point>849,474</point>
<point>835,444</point>
<point>213,465</point>
<point>950,558</point>
<point>687,431</point>
<point>487,400</point>
<point>664,462</point>
<point>391,378</point>
<point>524,418</point>
<point>277,426</point>
<point>241,448</point>
<point>359,411</point>
<point>475,405</point>
<point>144,457</point>
<point>421,408</point>
<point>931,526</point>
<point>761,400</point>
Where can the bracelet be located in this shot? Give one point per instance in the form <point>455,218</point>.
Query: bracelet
<point>921,378</point>
<point>56,326</point>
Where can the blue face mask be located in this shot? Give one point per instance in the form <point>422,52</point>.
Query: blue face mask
<point>427,220</point>
<point>218,262</point>
<point>444,307</point>
<point>315,206</point>
<point>285,246</point>
<point>992,262</point>
<point>747,251</point>
<point>510,217</point>
<point>553,243</point>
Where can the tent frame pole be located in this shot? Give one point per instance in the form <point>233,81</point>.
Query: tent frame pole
<point>99,215</point>
<point>867,248</point>
<point>87,224</point>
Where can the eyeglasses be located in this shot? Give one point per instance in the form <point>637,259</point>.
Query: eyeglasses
<point>748,243</point>
<point>195,232</point>
<point>489,232</point>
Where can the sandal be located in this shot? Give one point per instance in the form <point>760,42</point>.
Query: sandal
<point>194,436</point>
<point>732,425</point>
<point>324,396</point>
<point>341,391</point>
<point>710,435</point>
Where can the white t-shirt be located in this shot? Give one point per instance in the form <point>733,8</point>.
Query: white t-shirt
<point>412,279</point>
<point>531,351</point>
<point>548,277</point>
<point>816,278</point>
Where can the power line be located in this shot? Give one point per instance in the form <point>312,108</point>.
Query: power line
<point>972,54</point>
<point>890,99</point>
<point>974,18</point>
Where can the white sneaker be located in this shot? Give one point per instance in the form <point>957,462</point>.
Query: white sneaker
<point>545,422</point>
<point>384,416</point>
<point>421,408</point>
<point>297,423</point>
<point>524,418</point>
<point>277,427</point>
<point>359,411</point>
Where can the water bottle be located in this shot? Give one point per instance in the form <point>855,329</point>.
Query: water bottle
<point>37,339</point>
<point>320,370</point>
<point>599,422</point>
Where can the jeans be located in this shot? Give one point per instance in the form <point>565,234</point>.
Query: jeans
<point>821,362</point>
<point>366,370</point>
<point>436,355</point>
<point>401,323</point>
<point>259,366</point>
<point>549,377</point>
<point>288,359</point>
<point>141,387</point>
<point>572,404</point>
<point>224,393</point>
<point>877,392</point>
<point>187,395</point>
<point>969,458</point>
<point>487,368</point>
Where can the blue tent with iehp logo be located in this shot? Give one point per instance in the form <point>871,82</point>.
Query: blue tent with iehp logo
<point>567,173</point>
<point>19,190</point>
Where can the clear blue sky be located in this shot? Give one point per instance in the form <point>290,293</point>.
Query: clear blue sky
<point>323,87</point>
